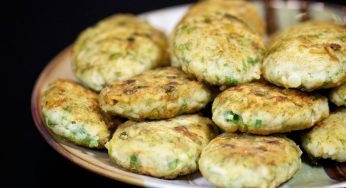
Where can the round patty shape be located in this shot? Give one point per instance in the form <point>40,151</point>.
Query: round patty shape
<point>117,48</point>
<point>164,148</point>
<point>156,94</point>
<point>241,160</point>
<point>265,109</point>
<point>327,139</point>
<point>338,95</point>
<point>245,11</point>
<point>308,56</point>
<point>72,112</point>
<point>218,48</point>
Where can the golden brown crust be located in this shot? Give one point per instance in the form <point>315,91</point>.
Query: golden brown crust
<point>338,95</point>
<point>73,113</point>
<point>165,148</point>
<point>241,160</point>
<point>327,139</point>
<point>309,56</point>
<point>264,109</point>
<point>157,94</point>
<point>245,11</point>
<point>117,48</point>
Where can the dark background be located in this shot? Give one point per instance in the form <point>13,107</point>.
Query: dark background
<point>35,31</point>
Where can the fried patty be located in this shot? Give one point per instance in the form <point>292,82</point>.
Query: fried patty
<point>308,56</point>
<point>217,46</point>
<point>245,11</point>
<point>241,160</point>
<point>260,108</point>
<point>327,139</point>
<point>72,112</point>
<point>338,95</point>
<point>157,94</point>
<point>164,148</point>
<point>117,48</point>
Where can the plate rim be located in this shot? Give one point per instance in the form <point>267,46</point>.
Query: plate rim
<point>36,112</point>
<point>40,126</point>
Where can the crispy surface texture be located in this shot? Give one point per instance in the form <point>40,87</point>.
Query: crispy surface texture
<point>260,108</point>
<point>308,56</point>
<point>157,94</point>
<point>338,95</point>
<point>117,48</point>
<point>327,139</point>
<point>217,46</point>
<point>241,160</point>
<point>72,112</point>
<point>165,148</point>
<point>245,11</point>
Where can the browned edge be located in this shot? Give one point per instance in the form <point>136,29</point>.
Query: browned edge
<point>40,125</point>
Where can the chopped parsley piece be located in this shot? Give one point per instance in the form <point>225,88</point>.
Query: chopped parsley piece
<point>258,123</point>
<point>232,117</point>
<point>130,38</point>
<point>344,62</point>
<point>231,81</point>
<point>114,56</point>
<point>123,136</point>
<point>345,101</point>
<point>262,51</point>
<point>183,106</point>
<point>49,122</point>
<point>253,61</point>
<point>149,102</point>
<point>207,16</point>
<point>241,41</point>
<point>186,61</point>
<point>134,162</point>
<point>188,29</point>
<point>67,108</point>
<point>245,127</point>
<point>337,73</point>
<point>245,67</point>
<point>183,47</point>
<point>173,164</point>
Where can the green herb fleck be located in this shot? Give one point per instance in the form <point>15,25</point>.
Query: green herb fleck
<point>231,81</point>
<point>149,102</point>
<point>183,106</point>
<point>245,67</point>
<point>186,61</point>
<point>232,117</point>
<point>64,118</point>
<point>344,62</point>
<point>49,122</point>
<point>262,51</point>
<point>241,41</point>
<point>134,162</point>
<point>188,29</point>
<point>337,73</point>
<point>173,164</point>
<point>258,123</point>
<point>123,135</point>
<point>345,101</point>
<point>245,127</point>
<point>253,61</point>
<point>67,108</point>
<point>206,16</point>
<point>114,56</point>
<point>131,39</point>
<point>183,47</point>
